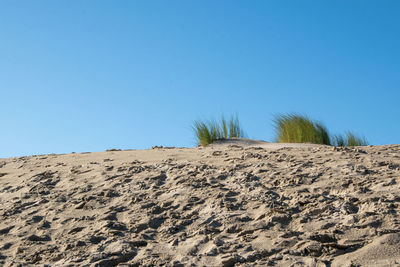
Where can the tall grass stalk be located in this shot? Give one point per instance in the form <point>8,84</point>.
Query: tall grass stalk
<point>216,131</point>
<point>224,127</point>
<point>235,130</point>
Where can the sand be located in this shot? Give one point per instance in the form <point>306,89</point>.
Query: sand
<point>236,203</point>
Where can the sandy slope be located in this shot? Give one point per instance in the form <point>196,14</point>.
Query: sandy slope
<point>241,203</point>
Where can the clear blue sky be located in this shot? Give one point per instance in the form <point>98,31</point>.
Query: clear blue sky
<point>92,75</point>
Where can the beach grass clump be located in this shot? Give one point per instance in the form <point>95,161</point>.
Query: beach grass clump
<point>207,132</point>
<point>294,128</point>
<point>350,139</point>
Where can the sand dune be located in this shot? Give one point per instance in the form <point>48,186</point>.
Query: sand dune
<point>235,203</point>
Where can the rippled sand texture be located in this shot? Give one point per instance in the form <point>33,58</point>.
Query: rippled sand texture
<point>230,204</point>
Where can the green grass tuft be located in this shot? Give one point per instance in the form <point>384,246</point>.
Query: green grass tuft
<point>294,128</point>
<point>202,133</point>
<point>235,130</point>
<point>339,140</point>
<point>207,132</point>
<point>350,140</point>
